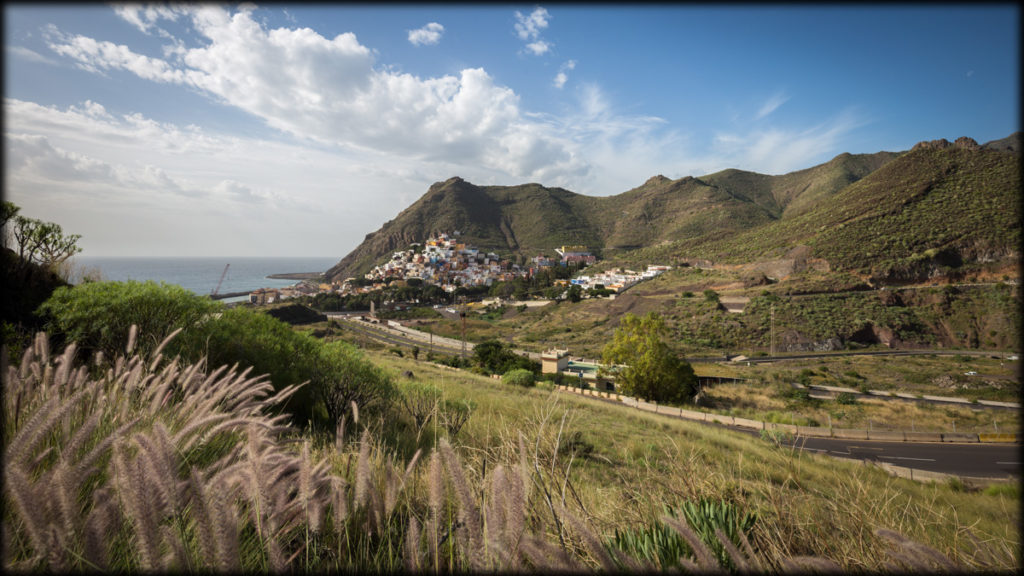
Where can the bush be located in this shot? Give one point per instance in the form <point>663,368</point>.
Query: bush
<point>98,315</point>
<point>340,375</point>
<point>846,398</point>
<point>519,377</point>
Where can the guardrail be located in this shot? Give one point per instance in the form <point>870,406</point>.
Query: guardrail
<point>811,431</point>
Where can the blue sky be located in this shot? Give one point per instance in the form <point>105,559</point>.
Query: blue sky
<point>295,130</point>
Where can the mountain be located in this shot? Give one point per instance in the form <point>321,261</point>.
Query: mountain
<point>922,215</point>
<point>891,216</point>
<point>530,218</point>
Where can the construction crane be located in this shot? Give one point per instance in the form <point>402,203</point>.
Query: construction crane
<point>221,281</point>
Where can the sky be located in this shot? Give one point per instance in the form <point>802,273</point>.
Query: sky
<point>296,130</point>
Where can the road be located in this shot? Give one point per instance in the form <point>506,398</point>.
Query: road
<point>973,460</point>
<point>838,353</point>
<point>967,459</point>
<point>392,338</point>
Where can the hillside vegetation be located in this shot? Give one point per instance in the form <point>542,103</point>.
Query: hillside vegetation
<point>923,215</point>
<point>526,219</point>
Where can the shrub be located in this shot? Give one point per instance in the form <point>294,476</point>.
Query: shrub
<point>846,398</point>
<point>420,402</point>
<point>1009,489</point>
<point>98,315</point>
<point>518,377</point>
<point>454,414</point>
<point>341,376</point>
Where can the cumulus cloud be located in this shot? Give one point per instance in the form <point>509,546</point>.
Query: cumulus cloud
<point>528,27</point>
<point>561,78</point>
<point>539,47</point>
<point>429,35</point>
<point>329,90</point>
<point>96,56</point>
<point>145,17</point>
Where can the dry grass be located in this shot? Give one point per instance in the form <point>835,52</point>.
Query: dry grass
<point>763,402</point>
<point>147,464</point>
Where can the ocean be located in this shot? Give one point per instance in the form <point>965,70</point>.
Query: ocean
<point>200,275</point>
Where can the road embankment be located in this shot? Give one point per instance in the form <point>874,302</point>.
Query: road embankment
<point>805,431</point>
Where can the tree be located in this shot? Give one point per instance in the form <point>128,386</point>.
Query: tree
<point>575,293</point>
<point>7,215</point>
<point>495,357</point>
<point>645,367</point>
<point>43,242</point>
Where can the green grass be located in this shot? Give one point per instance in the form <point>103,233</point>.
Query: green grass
<point>640,462</point>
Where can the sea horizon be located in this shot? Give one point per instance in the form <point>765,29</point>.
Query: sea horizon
<point>201,274</point>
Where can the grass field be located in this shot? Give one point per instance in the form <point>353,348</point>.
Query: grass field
<point>624,466</point>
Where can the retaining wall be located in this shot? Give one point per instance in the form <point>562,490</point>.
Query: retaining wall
<point>997,437</point>
<point>953,437</point>
<point>922,436</point>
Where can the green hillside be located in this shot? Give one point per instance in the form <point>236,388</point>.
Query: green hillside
<point>526,219</point>
<point>927,213</point>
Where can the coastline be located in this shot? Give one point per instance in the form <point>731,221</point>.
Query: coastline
<point>296,276</point>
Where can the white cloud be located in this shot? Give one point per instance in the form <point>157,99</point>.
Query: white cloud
<point>96,56</point>
<point>145,17</point>
<point>561,78</point>
<point>528,27</point>
<point>429,35</point>
<point>539,47</point>
<point>28,54</point>
<point>771,105</point>
<point>778,150</point>
<point>329,90</point>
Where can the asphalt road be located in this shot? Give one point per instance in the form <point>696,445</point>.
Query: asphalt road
<point>973,460</point>
<point>967,459</point>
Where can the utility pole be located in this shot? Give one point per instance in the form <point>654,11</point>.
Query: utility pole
<point>772,345</point>
<point>463,314</point>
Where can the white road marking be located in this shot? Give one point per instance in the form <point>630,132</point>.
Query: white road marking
<point>1016,463</point>
<point>907,458</point>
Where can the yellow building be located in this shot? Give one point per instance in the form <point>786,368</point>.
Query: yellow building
<point>554,361</point>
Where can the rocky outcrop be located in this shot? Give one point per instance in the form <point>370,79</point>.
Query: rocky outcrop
<point>939,144</point>
<point>962,142</point>
<point>966,143</point>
